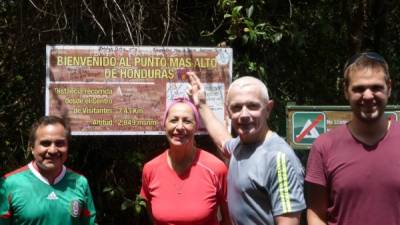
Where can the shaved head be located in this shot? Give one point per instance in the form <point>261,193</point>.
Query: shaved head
<point>246,81</point>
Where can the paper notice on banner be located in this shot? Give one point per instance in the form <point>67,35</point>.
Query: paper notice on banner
<point>215,98</point>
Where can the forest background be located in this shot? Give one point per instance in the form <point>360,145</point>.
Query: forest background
<point>298,47</point>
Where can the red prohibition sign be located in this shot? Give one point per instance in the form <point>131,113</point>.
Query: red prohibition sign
<point>312,125</point>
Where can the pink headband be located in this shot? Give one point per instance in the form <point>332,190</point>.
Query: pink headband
<point>187,102</point>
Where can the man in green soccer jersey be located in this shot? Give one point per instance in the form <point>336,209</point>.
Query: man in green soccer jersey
<point>45,192</point>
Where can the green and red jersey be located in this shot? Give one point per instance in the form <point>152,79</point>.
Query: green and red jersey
<point>27,198</point>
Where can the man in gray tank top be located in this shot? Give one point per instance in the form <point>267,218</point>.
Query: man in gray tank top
<point>265,178</point>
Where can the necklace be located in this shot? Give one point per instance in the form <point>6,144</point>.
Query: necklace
<point>180,168</point>
<point>179,186</point>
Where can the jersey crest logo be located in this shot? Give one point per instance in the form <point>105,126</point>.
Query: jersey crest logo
<point>75,208</point>
<point>52,196</point>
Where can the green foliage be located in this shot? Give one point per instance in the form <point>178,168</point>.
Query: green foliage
<point>244,25</point>
<point>299,48</point>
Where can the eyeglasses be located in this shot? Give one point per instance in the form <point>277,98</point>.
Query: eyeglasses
<point>57,143</point>
<point>370,55</point>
